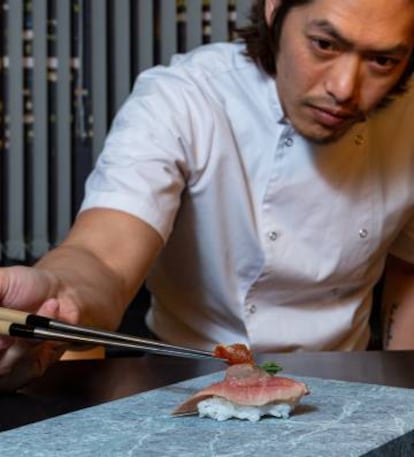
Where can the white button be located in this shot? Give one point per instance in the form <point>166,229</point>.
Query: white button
<point>273,236</point>
<point>288,141</point>
<point>251,309</point>
<point>363,233</point>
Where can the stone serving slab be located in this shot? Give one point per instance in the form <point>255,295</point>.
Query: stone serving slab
<point>338,419</point>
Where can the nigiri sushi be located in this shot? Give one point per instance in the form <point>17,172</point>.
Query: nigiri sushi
<point>247,392</point>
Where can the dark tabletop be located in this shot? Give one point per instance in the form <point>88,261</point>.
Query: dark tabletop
<point>72,385</point>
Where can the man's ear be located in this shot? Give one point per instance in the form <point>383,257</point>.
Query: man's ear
<point>270,7</point>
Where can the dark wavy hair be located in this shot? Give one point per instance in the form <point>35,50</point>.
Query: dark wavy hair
<point>262,40</point>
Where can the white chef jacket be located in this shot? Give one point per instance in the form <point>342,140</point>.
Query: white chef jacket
<point>269,239</point>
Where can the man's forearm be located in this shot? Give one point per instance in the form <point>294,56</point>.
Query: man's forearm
<point>81,279</point>
<point>398,305</point>
<point>101,265</point>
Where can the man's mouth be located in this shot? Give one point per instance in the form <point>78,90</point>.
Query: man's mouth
<point>331,118</point>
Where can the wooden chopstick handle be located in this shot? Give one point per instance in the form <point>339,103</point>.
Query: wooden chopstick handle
<point>21,317</point>
<point>5,327</point>
<point>13,315</point>
<point>15,329</point>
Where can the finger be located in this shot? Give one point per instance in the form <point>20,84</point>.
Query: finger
<point>23,362</point>
<point>5,343</point>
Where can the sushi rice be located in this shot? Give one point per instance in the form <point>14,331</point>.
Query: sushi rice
<point>221,409</point>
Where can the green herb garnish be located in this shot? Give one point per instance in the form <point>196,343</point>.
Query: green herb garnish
<point>271,367</point>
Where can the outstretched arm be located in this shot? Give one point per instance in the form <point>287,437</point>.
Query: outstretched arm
<point>102,264</point>
<point>88,280</point>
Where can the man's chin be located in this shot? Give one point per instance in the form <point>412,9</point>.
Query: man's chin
<point>322,135</point>
<point>328,138</point>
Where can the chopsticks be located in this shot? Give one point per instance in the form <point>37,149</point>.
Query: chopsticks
<point>25,325</point>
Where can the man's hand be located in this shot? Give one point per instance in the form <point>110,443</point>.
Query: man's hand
<point>88,280</point>
<point>30,290</point>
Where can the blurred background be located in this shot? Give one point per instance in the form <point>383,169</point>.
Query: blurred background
<point>65,68</point>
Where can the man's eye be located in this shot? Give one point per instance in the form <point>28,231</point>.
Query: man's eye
<point>323,45</point>
<point>384,63</point>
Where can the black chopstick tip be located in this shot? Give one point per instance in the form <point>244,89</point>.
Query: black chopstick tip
<point>34,320</point>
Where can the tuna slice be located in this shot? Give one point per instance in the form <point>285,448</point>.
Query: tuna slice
<point>248,385</point>
<point>234,353</point>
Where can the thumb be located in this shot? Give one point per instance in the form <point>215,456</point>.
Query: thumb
<point>55,308</point>
<point>50,308</point>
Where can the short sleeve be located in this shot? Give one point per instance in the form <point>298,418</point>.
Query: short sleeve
<point>142,168</point>
<point>403,246</point>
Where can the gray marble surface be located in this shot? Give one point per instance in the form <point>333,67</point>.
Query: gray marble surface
<point>338,419</point>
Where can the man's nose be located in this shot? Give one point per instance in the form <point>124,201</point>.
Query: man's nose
<point>344,79</point>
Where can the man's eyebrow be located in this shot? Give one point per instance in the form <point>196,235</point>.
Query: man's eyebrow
<point>327,27</point>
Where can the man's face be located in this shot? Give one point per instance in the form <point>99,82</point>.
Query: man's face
<point>338,59</point>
